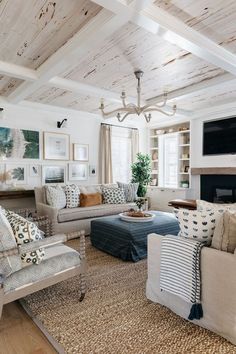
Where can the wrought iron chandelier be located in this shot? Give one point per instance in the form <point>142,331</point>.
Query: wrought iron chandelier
<point>131,108</point>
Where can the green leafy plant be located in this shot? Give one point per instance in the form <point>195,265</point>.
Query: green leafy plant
<point>141,173</point>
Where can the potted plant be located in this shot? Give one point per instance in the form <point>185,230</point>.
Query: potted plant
<point>141,173</point>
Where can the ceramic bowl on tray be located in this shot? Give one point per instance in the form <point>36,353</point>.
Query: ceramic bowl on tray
<point>146,218</point>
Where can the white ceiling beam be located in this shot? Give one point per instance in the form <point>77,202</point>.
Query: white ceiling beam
<point>17,71</point>
<point>85,89</point>
<point>191,90</point>
<point>102,26</point>
<point>160,22</point>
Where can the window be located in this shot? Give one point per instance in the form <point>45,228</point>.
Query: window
<point>121,154</point>
<point>168,148</point>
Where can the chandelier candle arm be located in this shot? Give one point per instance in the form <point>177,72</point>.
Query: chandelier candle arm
<point>131,108</point>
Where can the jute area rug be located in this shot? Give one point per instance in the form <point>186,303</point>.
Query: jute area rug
<point>115,316</point>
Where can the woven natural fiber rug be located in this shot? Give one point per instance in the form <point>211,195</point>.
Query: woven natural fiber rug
<point>115,316</point>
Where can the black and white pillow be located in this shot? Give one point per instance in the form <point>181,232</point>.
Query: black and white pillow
<point>56,196</point>
<point>72,195</point>
<point>196,224</point>
<point>113,195</point>
<point>25,232</point>
<point>130,190</point>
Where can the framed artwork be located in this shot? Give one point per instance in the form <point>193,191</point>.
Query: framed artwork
<point>92,171</point>
<point>16,173</point>
<point>19,143</point>
<point>78,171</point>
<point>56,146</point>
<point>81,152</point>
<point>34,170</point>
<point>53,174</point>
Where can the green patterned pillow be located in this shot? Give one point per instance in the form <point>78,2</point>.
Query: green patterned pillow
<point>113,195</point>
<point>25,232</point>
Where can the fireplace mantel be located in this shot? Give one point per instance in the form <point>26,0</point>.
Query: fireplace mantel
<point>213,171</point>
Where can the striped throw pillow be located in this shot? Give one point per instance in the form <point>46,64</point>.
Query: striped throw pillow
<point>130,190</point>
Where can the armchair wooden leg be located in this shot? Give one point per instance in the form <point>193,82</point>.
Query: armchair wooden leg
<point>82,287</point>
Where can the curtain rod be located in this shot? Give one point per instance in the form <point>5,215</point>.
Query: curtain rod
<point>119,126</point>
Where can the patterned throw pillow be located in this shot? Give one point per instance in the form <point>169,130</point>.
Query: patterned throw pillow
<point>196,224</point>
<point>56,196</point>
<point>202,205</point>
<point>8,264</point>
<point>25,232</point>
<point>113,195</point>
<point>130,190</point>
<point>72,195</point>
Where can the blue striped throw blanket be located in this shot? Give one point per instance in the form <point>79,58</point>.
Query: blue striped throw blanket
<point>180,271</point>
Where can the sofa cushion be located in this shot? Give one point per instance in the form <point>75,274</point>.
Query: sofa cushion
<point>25,232</point>
<point>130,190</point>
<point>57,258</point>
<point>72,195</point>
<point>113,195</point>
<point>91,199</point>
<point>56,196</point>
<point>65,215</point>
<point>199,225</point>
<point>9,264</point>
<point>96,188</point>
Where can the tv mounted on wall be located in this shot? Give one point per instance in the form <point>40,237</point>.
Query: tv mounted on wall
<point>219,137</point>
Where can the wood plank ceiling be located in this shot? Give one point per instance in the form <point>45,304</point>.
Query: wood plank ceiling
<point>31,33</point>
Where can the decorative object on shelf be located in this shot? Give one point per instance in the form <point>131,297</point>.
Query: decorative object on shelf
<point>56,146</point>
<point>78,171</point>
<point>34,170</point>
<point>19,144</point>
<point>153,182</point>
<point>131,108</point>
<point>62,124</point>
<point>186,169</point>
<point>16,174</point>
<point>141,173</point>
<point>171,130</point>
<point>81,152</point>
<point>160,131</point>
<point>184,184</point>
<point>182,129</point>
<point>154,155</point>
<point>185,156</point>
<point>92,171</point>
<point>53,174</point>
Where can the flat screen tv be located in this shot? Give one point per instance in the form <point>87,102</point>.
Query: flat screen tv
<point>219,137</point>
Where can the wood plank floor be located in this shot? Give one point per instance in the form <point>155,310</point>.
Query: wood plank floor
<point>19,334</point>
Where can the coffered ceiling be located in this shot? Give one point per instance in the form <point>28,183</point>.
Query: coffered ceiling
<point>71,53</point>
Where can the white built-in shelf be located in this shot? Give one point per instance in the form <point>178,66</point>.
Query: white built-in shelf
<point>154,136</point>
<point>154,148</point>
<point>183,145</point>
<point>184,173</point>
<point>187,159</point>
<point>154,172</point>
<point>154,160</point>
<point>184,131</point>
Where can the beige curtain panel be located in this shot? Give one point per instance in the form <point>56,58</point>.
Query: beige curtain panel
<point>134,144</point>
<point>105,155</point>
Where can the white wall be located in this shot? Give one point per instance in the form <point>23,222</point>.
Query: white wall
<point>82,127</point>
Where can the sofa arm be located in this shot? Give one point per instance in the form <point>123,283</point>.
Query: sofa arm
<point>47,210</point>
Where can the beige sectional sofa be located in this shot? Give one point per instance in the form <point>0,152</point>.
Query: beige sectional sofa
<point>218,289</point>
<point>74,219</point>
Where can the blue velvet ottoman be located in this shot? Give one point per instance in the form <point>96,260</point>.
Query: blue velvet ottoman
<point>128,240</point>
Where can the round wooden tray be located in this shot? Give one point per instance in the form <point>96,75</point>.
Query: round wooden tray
<point>125,217</point>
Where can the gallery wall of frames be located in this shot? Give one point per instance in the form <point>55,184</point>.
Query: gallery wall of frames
<point>48,157</point>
